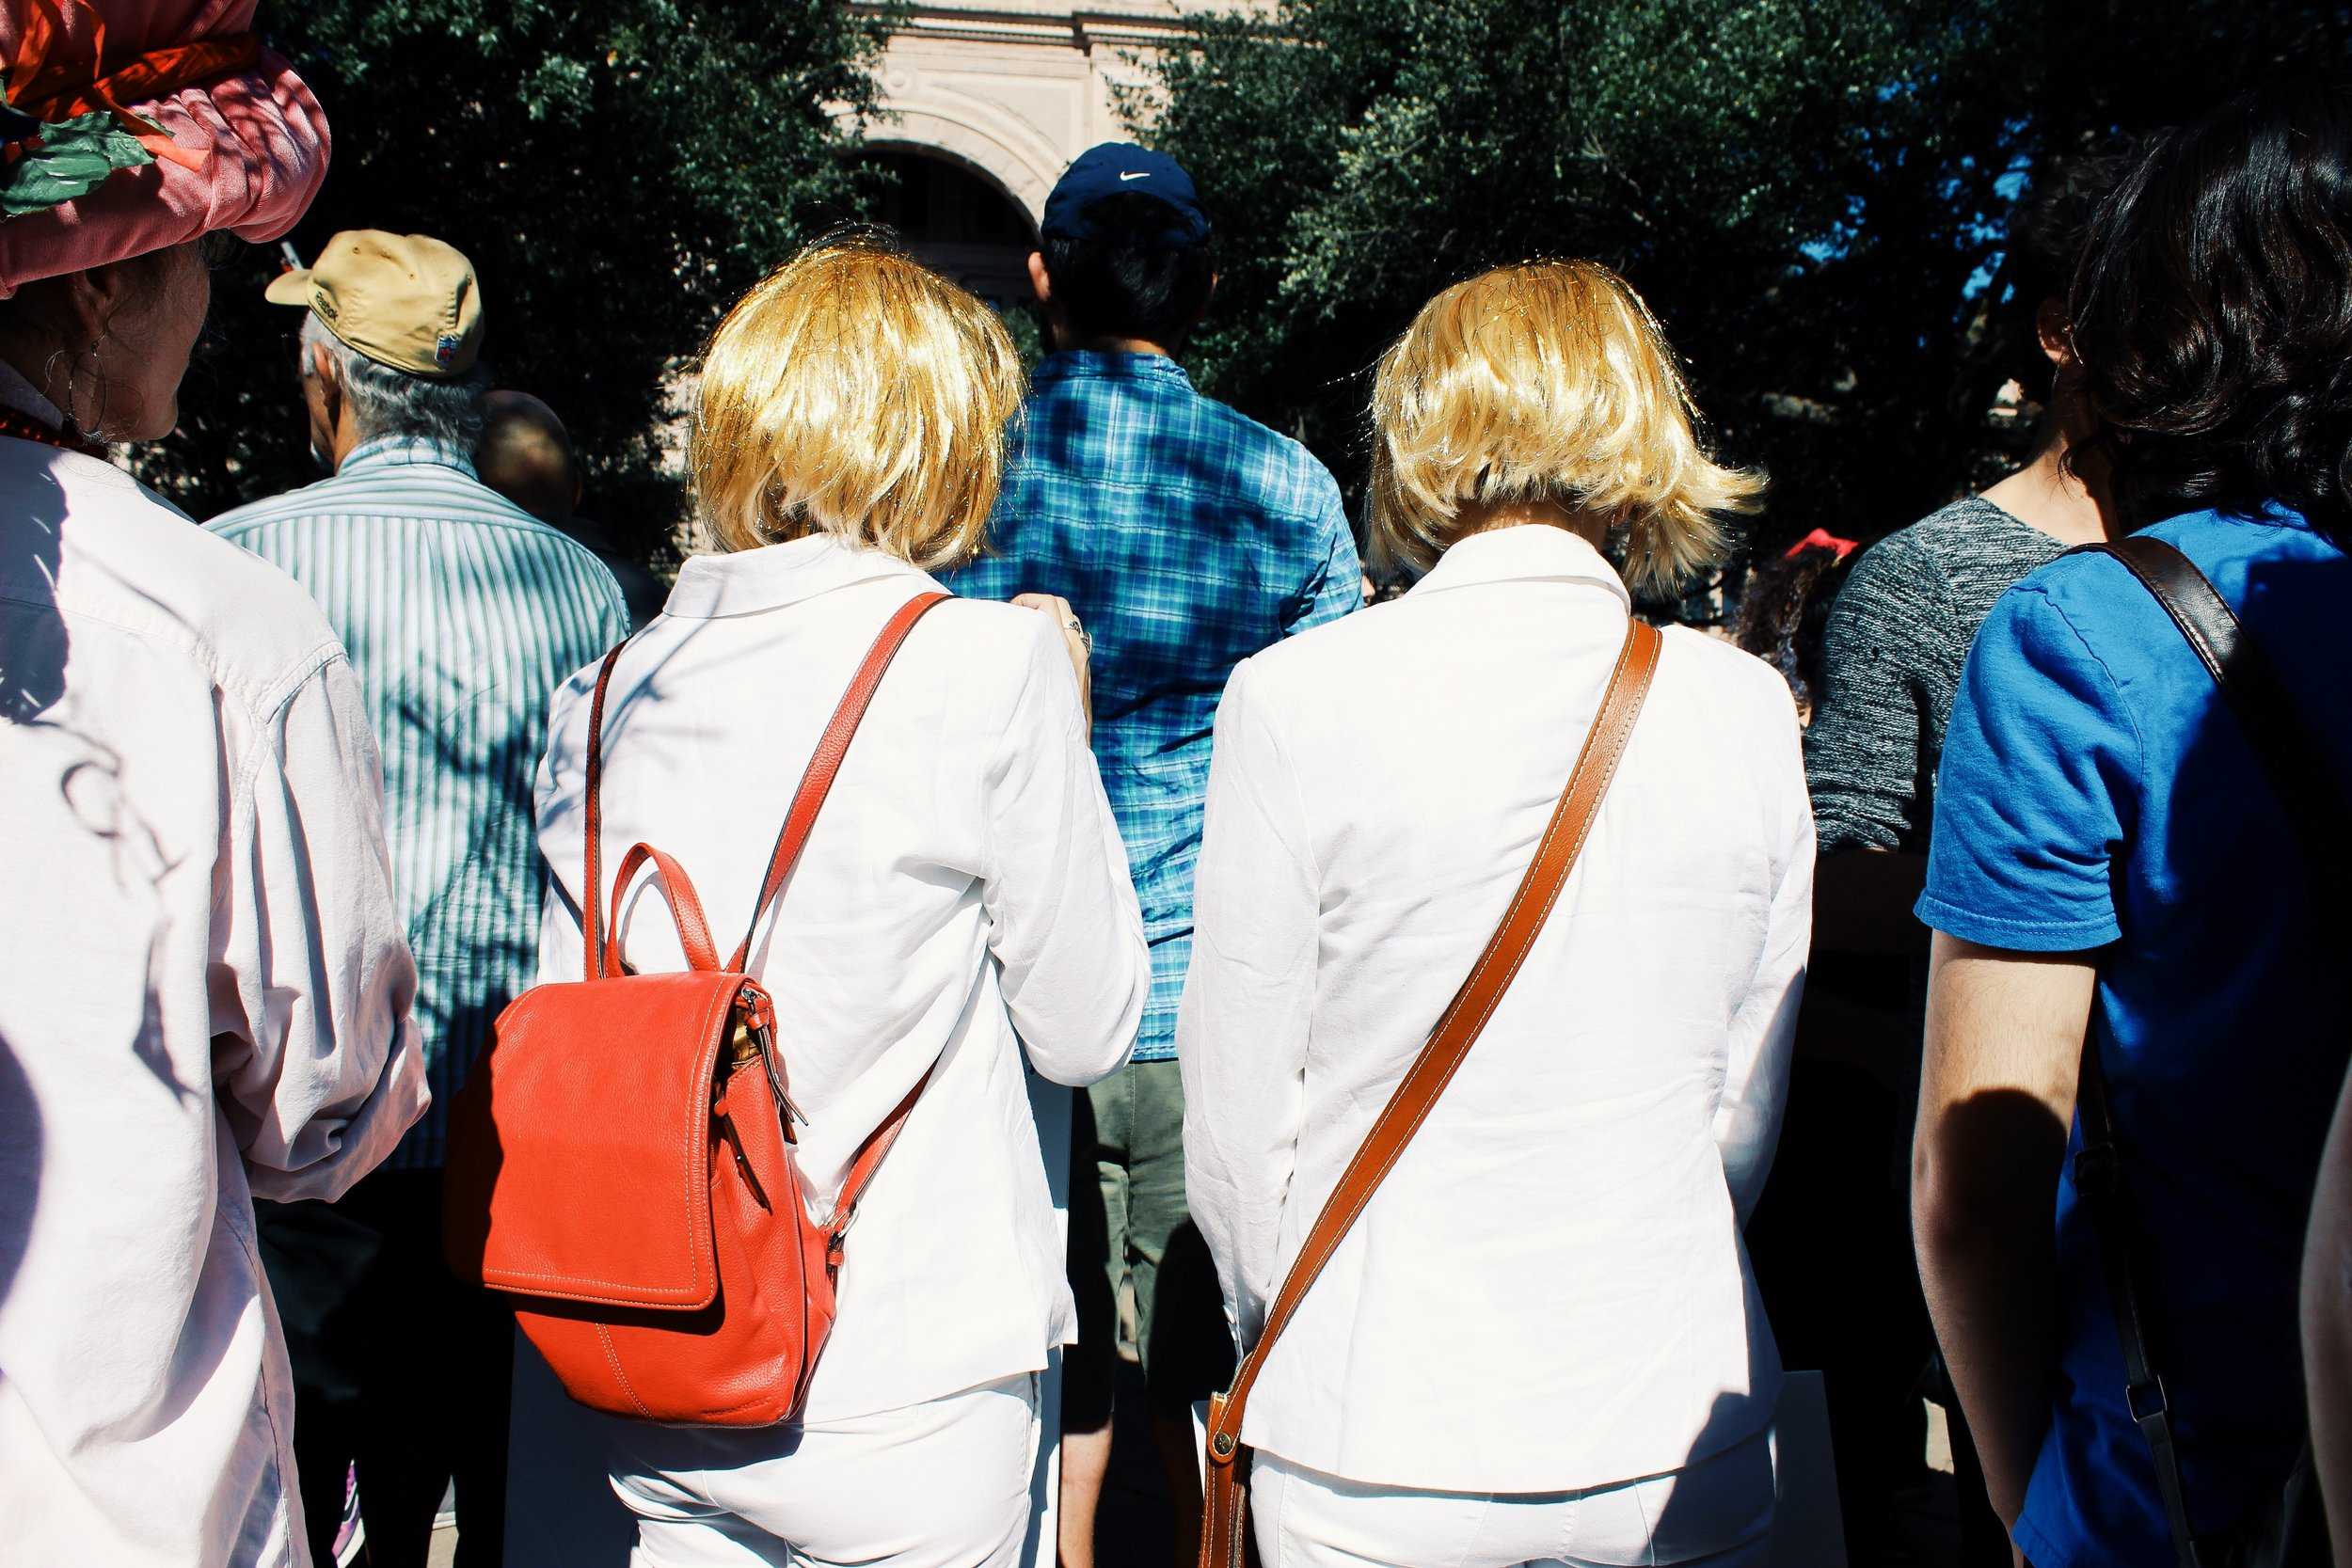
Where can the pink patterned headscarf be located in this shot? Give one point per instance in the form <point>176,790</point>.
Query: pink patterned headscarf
<point>247,154</point>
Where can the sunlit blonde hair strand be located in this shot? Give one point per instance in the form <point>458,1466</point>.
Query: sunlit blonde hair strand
<point>857,394</point>
<point>1545,381</point>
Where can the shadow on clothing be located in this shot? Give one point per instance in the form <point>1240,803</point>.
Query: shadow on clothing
<point>20,1165</point>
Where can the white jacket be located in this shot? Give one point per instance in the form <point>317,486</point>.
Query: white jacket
<point>204,996</point>
<point>1550,1293</point>
<point>964,878</point>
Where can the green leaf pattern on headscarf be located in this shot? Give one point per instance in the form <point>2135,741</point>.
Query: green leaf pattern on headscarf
<point>69,158</point>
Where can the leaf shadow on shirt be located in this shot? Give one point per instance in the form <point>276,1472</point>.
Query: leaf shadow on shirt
<point>480,915</point>
<point>35,648</point>
<point>33,642</point>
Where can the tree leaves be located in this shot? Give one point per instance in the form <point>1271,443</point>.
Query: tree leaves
<point>617,171</point>
<point>1810,193</point>
<point>69,158</point>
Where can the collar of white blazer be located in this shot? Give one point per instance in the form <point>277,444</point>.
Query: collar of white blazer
<point>1524,552</point>
<point>742,581</point>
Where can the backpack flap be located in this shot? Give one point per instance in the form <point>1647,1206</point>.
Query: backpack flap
<point>579,1149</point>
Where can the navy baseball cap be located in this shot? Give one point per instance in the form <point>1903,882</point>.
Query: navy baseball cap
<point>1122,169</point>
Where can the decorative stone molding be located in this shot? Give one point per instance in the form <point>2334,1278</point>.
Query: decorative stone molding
<point>1014,90</point>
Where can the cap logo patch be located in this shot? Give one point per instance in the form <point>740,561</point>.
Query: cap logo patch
<point>1144,175</point>
<point>445,349</point>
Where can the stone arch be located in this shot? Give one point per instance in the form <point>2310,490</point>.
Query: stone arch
<point>997,153</point>
<point>959,219</point>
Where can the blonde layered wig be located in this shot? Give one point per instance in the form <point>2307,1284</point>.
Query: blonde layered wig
<point>857,394</point>
<point>1547,381</point>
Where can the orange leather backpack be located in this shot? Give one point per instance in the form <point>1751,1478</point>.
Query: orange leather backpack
<point>621,1162</point>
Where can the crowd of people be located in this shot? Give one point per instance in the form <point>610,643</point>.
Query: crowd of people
<point>1431,972</point>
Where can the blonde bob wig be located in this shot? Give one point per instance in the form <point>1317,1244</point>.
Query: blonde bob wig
<point>855,393</point>
<point>1547,381</point>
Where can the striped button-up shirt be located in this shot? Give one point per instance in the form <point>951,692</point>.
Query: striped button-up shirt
<point>462,614</point>
<point>1187,538</point>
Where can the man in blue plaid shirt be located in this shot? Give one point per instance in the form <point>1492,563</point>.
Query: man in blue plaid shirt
<point>1186,538</point>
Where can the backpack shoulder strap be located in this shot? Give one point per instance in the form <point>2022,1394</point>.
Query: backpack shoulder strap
<point>2250,686</point>
<point>2298,771</point>
<point>823,768</point>
<point>591,832</point>
<point>1457,1030</point>
<point>815,782</point>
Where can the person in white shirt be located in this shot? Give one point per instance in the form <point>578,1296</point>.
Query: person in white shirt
<point>1541,1342</point>
<point>206,994</point>
<point>963,898</point>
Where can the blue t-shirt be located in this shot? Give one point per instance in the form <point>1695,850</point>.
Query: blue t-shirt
<point>2096,793</point>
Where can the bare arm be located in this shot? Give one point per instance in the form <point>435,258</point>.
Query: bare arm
<point>2004,1047</point>
<point>2327,1326</point>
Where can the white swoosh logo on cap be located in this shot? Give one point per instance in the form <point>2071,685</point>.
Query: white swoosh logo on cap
<point>1145,175</point>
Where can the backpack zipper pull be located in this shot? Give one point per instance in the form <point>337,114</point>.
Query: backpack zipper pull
<point>724,1126</point>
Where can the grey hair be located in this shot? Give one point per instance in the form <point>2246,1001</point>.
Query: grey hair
<point>389,402</point>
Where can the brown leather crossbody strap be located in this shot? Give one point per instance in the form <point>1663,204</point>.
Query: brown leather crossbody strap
<point>1459,1026</point>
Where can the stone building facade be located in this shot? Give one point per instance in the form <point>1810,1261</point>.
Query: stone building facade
<point>987,101</point>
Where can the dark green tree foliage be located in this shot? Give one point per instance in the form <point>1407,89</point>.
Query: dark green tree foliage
<point>1809,193</point>
<point>618,171</point>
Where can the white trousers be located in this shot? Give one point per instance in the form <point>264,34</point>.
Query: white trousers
<point>940,1485</point>
<point>1717,1512</point>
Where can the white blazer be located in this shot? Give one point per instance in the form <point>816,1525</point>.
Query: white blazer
<point>964,880</point>
<point>1550,1293</point>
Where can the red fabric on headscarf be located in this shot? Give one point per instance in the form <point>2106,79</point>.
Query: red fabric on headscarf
<point>262,137</point>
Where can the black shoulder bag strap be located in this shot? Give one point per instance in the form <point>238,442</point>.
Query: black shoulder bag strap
<point>2300,774</point>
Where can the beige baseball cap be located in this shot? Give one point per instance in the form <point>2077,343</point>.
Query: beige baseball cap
<point>404,300</point>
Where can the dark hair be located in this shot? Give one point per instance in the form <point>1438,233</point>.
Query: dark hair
<point>2046,231</point>
<point>1781,613</point>
<point>1134,277</point>
<point>2212,313</point>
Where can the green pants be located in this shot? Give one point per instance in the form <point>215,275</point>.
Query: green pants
<point>1147,1290</point>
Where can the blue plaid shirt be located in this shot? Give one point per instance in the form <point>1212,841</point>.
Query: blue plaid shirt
<point>1187,538</point>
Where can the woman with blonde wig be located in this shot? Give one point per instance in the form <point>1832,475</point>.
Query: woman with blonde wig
<point>963,896</point>
<point>1540,1341</point>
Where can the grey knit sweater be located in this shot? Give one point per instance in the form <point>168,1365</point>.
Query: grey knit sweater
<point>1892,655</point>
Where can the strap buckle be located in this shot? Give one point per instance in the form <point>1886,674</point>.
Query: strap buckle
<point>837,1239</point>
<point>2098,1169</point>
<point>2158,1407</point>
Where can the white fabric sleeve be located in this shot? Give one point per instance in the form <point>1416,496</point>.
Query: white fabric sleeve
<point>1764,1026</point>
<point>1067,931</point>
<point>315,1058</point>
<point>1241,1034</point>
